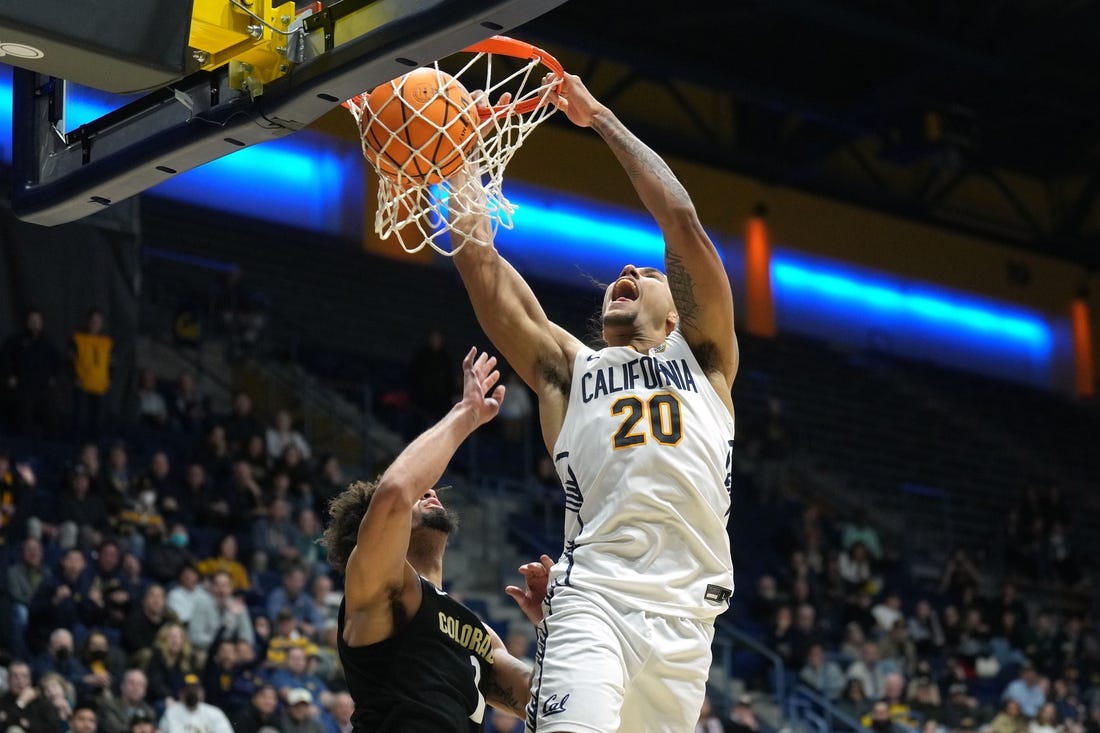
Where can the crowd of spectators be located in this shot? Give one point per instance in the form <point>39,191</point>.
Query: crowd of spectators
<point>165,576</point>
<point>898,654</point>
<point>169,575</point>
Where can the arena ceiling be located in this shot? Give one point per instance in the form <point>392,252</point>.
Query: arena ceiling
<point>978,115</point>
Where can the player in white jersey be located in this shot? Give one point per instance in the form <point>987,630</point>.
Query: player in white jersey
<point>641,432</point>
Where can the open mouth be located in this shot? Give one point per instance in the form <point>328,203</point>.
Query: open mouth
<point>624,289</point>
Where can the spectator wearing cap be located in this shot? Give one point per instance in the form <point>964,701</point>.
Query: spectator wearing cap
<point>960,706</point>
<point>22,707</point>
<point>189,713</point>
<point>84,718</point>
<point>262,712</point>
<point>294,673</point>
<point>117,713</point>
<point>142,723</point>
<point>300,714</point>
<point>1027,689</point>
<point>924,696</point>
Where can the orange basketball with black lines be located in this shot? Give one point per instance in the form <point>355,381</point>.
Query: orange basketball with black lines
<point>422,124</point>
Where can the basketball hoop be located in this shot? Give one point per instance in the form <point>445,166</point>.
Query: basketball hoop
<point>413,197</point>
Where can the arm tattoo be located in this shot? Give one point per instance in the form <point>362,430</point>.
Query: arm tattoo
<point>682,287</point>
<point>647,171</point>
<point>505,697</point>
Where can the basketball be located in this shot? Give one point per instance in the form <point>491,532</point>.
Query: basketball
<point>421,125</point>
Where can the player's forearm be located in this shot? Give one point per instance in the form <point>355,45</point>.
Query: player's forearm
<point>422,463</point>
<point>509,686</point>
<point>657,186</point>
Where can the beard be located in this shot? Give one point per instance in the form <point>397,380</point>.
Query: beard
<point>619,318</point>
<point>439,519</point>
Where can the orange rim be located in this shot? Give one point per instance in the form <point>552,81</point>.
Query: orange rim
<point>506,46</point>
<point>503,46</point>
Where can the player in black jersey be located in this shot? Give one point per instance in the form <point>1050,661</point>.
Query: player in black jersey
<point>416,660</point>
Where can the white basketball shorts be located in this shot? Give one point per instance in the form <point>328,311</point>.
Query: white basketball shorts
<point>601,669</point>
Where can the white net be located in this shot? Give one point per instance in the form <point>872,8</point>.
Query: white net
<point>416,184</point>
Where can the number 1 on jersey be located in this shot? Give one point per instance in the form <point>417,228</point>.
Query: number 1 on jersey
<point>478,713</point>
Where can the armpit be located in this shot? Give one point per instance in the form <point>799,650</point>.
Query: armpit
<point>706,353</point>
<point>553,375</point>
<point>398,611</point>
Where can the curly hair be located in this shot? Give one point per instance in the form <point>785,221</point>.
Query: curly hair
<point>346,513</point>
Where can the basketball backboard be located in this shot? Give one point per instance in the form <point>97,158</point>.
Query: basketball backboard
<point>323,54</point>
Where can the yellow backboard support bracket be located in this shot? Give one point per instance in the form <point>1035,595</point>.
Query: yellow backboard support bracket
<point>252,36</point>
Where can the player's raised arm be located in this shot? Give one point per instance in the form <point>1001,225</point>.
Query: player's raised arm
<point>540,351</point>
<point>377,570</point>
<point>695,273</point>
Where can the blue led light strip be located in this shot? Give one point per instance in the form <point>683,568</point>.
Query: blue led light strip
<point>933,309</point>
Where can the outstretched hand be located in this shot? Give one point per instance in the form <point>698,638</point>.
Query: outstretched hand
<point>529,599</point>
<point>573,98</point>
<point>479,375</point>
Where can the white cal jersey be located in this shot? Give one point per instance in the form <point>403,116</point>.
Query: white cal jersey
<point>645,455</point>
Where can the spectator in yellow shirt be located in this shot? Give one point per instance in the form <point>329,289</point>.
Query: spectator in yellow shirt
<point>226,560</point>
<point>91,354</point>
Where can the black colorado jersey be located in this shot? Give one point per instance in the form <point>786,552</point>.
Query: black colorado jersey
<point>429,677</point>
